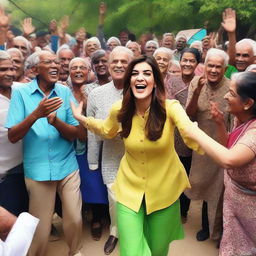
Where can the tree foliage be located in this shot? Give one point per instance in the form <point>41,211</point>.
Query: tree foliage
<point>138,16</point>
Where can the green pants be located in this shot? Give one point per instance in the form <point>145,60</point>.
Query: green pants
<point>148,235</point>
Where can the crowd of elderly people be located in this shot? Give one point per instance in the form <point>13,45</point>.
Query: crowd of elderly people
<point>49,163</point>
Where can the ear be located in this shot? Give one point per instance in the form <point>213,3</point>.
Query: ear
<point>35,70</point>
<point>248,104</point>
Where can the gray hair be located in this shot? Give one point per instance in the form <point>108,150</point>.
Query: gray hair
<point>163,50</point>
<point>132,42</point>
<point>123,49</point>
<point>4,55</point>
<point>92,39</point>
<point>251,67</point>
<point>23,39</point>
<point>250,42</point>
<point>39,54</point>
<point>213,52</point>
<point>181,36</point>
<point>98,54</point>
<point>168,34</point>
<point>113,38</point>
<point>71,63</point>
<point>152,42</point>
<point>62,48</point>
<point>30,61</point>
<point>15,50</point>
<point>197,42</point>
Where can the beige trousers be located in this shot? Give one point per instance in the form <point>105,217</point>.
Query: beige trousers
<point>41,205</point>
<point>112,211</point>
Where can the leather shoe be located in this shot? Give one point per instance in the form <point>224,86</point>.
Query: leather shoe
<point>110,244</point>
<point>202,235</point>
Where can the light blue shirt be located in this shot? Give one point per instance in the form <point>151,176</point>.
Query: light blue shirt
<point>47,155</point>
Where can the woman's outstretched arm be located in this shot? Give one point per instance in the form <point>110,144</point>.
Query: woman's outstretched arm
<point>107,128</point>
<point>237,156</point>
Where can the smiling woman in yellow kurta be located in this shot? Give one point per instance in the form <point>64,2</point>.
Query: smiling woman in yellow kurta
<point>148,168</point>
<point>151,177</point>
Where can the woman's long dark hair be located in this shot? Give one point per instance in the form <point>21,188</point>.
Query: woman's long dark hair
<point>157,112</point>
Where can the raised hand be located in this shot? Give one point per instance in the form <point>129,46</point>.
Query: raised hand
<point>63,25</point>
<point>217,115</point>
<point>77,111</point>
<point>4,20</point>
<point>47,106</point>
<point>201,83</point>
<point>27,26</point>
<point>102,8</point>
<point>53,27</point>
<point>80,34</point>
<point>229,20</point>
<point>213,37</point>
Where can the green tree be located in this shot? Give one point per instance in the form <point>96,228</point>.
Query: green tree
<point>139,16</point>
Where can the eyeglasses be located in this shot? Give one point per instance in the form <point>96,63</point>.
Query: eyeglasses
<point>78,67</point>
<point>49,62</point>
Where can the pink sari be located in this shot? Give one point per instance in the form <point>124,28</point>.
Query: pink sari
<point>239,215</point>
<point>237,133</point>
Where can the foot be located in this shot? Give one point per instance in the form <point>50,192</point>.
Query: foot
<point>96,230</point>
<point>202,235</point>
<point>110,244</point>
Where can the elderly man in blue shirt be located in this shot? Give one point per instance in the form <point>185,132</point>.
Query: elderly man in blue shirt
<point>40,114</point>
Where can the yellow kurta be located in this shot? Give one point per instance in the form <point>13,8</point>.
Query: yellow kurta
<point>148,168</point>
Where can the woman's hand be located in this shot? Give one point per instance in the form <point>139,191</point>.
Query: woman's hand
<point>77,111</point>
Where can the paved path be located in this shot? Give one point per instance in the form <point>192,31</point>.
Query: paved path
<point>187,247</point>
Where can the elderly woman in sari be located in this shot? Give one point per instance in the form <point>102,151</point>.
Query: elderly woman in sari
<point>91,45</point>
<point>134,47</point>
<point>150,47</point>
<point>112,43</point>
<point>163,57</point>
<point>238,159</point>
<point>177,88</point>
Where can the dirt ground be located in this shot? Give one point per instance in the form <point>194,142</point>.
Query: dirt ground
<point>187,247</point>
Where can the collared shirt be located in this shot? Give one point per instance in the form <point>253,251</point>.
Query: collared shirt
<point>148,168</point>
<point>10,154</point>
<point>47,155</point>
